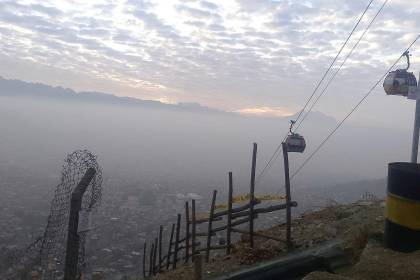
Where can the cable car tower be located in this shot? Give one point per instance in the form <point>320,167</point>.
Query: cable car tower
<point>404,83</point>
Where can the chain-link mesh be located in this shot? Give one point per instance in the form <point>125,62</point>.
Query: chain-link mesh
<point>54,241</point>
<point>47,253</point>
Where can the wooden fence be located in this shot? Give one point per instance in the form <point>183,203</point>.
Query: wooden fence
<point>183,249</point>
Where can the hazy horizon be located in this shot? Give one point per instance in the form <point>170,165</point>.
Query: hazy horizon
<point>192,144</point>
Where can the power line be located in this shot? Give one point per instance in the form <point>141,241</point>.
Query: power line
<point>276,152</point>
<point>342,64</point>
<point>335,59</point>
<point>352,111</point>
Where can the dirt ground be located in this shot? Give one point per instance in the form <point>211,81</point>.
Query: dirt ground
<point>352,224</point>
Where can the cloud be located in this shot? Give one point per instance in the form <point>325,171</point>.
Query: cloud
<point>263,54</point>
<point>209,5</point>
<point>266,111</point>
<point>196,12</point>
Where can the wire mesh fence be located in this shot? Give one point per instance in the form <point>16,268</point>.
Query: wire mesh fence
<point>47,253</point>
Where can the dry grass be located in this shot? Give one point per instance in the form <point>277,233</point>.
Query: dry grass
<point>352,224</point>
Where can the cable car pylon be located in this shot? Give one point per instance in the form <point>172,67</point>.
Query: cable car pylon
<point>402,227</point>
<point>403,83</point>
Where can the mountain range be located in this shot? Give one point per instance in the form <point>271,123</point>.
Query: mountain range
<point>18,88</point>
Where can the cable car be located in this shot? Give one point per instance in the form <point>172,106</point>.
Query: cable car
<point>295,143</point>
<point>401,82</point>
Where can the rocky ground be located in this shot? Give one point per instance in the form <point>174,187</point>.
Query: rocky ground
<point>377,263</point>
<point>357,226</point>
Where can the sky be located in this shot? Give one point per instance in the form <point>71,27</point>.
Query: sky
<point>248,56</point>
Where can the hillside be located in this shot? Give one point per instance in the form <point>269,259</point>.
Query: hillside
<point>355,229</point>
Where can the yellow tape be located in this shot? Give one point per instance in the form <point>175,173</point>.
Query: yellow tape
<point>403,212</point>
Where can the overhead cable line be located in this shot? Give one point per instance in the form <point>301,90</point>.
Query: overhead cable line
<point>276,152</point>
<point>342,64</point>
<point>352,110</point>
<point>334,60</point>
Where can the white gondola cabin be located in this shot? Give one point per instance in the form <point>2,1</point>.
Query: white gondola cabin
<point>295,143</point>
<point>401,82</point>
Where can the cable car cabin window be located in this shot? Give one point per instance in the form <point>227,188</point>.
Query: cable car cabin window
<point>295,143</point>
<point>399,82</point>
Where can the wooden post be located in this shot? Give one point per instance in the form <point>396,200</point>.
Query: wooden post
<point>168,259</point>
<point>193,228</point>
<point>155,256</point>
<point>178,228</point>
<point>209,233</point>
<point>198,267</point>
<point>144,259</point>
<point>187,232</point>
<point>229,215</point>
<point>252,196</point>
<point>288,198</point>
<point>160,248</point>
<point>152,249</point>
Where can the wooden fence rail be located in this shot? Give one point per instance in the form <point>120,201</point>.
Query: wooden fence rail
<point>189,243</point>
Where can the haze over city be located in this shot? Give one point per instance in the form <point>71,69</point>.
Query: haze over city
<point>169,96</point>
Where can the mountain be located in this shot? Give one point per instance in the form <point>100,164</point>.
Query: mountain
<point>17,88</point>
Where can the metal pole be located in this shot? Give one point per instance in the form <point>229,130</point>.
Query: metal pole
<point>288,198</point>
<point>415,146</point>
<point>72,250</point>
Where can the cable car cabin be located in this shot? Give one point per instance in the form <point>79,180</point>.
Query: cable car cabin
<point>400,82</point>
<point>295,143</point>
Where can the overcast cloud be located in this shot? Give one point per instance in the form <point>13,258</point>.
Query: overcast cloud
<point>245,55</point>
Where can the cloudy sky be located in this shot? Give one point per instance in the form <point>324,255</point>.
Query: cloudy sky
<point>252,56</point>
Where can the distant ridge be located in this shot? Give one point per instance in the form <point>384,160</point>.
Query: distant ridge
<point>18,88</point>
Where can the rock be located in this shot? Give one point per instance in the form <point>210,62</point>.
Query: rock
<point>380,218</point>
<point>35,275</point>
<point>318,275</point>
<point>366,203</point>
<point>96,275</point>
<point>331,231</point>
<point>377,263</point>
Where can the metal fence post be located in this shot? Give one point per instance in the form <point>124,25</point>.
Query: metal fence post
<point>72,250</point>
